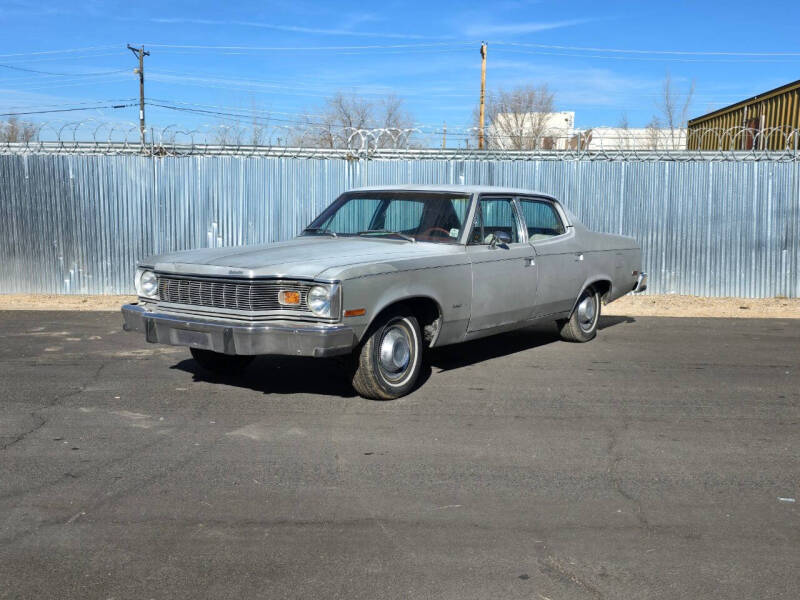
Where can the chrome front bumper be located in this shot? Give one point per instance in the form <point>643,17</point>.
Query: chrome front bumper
<point>641,283</point>
<point>232,337</point>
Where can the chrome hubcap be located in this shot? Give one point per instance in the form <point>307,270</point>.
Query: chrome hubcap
<point>587,309</point>
<point>395,351</point>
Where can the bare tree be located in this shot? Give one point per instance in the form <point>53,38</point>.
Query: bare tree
<point>340,115</point>
<point>624,127</point>
<point>16,131</point>
<point>673,110</point>
<point>392,113</point>
<point>392,116</point>
<point>229,134</point>
<point>654,128</point>
<point>260,126</point>
<point>519,119</point>
<point>344,114</point>
<point>236,133</point>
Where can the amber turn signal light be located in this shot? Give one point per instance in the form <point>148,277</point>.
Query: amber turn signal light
<point>288,298</point>
<point>356,312</point>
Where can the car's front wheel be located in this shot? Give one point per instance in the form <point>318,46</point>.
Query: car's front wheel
<point>388,362</point>
<point>223,364</point>
<point>582,323</point>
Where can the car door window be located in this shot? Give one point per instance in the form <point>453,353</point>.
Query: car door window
<point>541,219</point>
<point>492,216</point>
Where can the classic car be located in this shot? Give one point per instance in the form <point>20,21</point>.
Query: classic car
<point>383,274</point>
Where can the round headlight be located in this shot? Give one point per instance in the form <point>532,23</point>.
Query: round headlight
<point>147,284</point>
<point>319,301</point>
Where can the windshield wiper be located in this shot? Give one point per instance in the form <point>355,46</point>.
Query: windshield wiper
<point>320,230</point>
<point>405,236</point>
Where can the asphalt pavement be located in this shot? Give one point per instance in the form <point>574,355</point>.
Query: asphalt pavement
<point>660,460</point>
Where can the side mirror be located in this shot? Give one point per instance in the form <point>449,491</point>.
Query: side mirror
<point>500,238</point>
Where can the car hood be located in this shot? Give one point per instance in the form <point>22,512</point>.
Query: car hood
<point>304,257</point>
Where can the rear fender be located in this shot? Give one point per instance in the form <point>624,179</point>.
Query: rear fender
<point>590,282</point>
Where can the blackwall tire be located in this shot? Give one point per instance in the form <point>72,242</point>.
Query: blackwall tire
<point>582,323</point>
<point>388,362</point>
<point>222,364</point>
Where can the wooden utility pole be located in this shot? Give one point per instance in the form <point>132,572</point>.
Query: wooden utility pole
<point>483,95</point>
<point>140,53</point>
<point>444,136</point>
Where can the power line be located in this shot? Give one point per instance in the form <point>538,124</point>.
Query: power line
<point>654,58</point>
<point>212,82</point>
<point>56,58</point>
<point>111,101</point>
<point>234,84</point>
<point>293,83</point>
<point>229,114</point>
<point>67,51</point>
<point>62,83</point>
<point>310,48</point>
<point>237,110</point>
<point>15,68</point>
<point>308,121</point>
<point>465,44</point>
<point>62,110</point>
<point>638,51</point>
<point>253,111</point>
<point>266,120</point>
<point>250,117</point>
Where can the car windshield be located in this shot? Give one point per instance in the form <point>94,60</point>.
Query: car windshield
<point>411,216</point>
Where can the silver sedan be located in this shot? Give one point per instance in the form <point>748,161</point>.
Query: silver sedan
<point>385,273</point>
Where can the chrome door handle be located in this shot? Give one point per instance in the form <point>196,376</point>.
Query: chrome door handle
<point>579,256</point>
<point>529,262</point>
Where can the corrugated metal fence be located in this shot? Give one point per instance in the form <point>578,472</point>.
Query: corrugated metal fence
<point>78,223</point>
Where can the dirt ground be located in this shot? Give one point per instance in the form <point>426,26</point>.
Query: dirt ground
<point>669,305</point>
<point>62,302</point>
<point>630,305</point>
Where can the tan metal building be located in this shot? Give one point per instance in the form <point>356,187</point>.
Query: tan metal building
<point>768,121</point>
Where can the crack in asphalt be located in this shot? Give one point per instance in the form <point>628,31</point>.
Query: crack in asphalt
<point>41,420</point>
<point>135,486</point>
<point>346,478</point>
<point>21,436</point>
<point>76,474</point>
<point>615,458</point>
<point>558,571</point>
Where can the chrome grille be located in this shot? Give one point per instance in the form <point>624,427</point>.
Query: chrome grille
<point>231,294</point>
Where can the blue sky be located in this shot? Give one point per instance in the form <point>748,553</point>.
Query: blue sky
<point>425,52</point>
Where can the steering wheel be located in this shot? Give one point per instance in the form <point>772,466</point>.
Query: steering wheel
<point>430,230</point>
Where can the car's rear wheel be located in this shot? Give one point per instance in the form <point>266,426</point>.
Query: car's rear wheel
<point>223,364</point>
<point>389,361</point>
<point>582,323</point>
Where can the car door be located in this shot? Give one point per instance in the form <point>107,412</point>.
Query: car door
<point>504,275</point>
<point>559,258</point>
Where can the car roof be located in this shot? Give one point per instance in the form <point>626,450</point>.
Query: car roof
<point>458,189</point>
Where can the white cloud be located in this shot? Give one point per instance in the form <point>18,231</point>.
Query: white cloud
<point>520,28</point>
<point>581,88</point>
<point>289,28</point>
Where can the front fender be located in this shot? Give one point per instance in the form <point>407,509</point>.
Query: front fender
<point>449,287</point>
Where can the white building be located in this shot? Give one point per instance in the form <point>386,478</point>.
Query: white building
<point>556,131</point>
<point>632,138</point>
<point>531,131</point>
